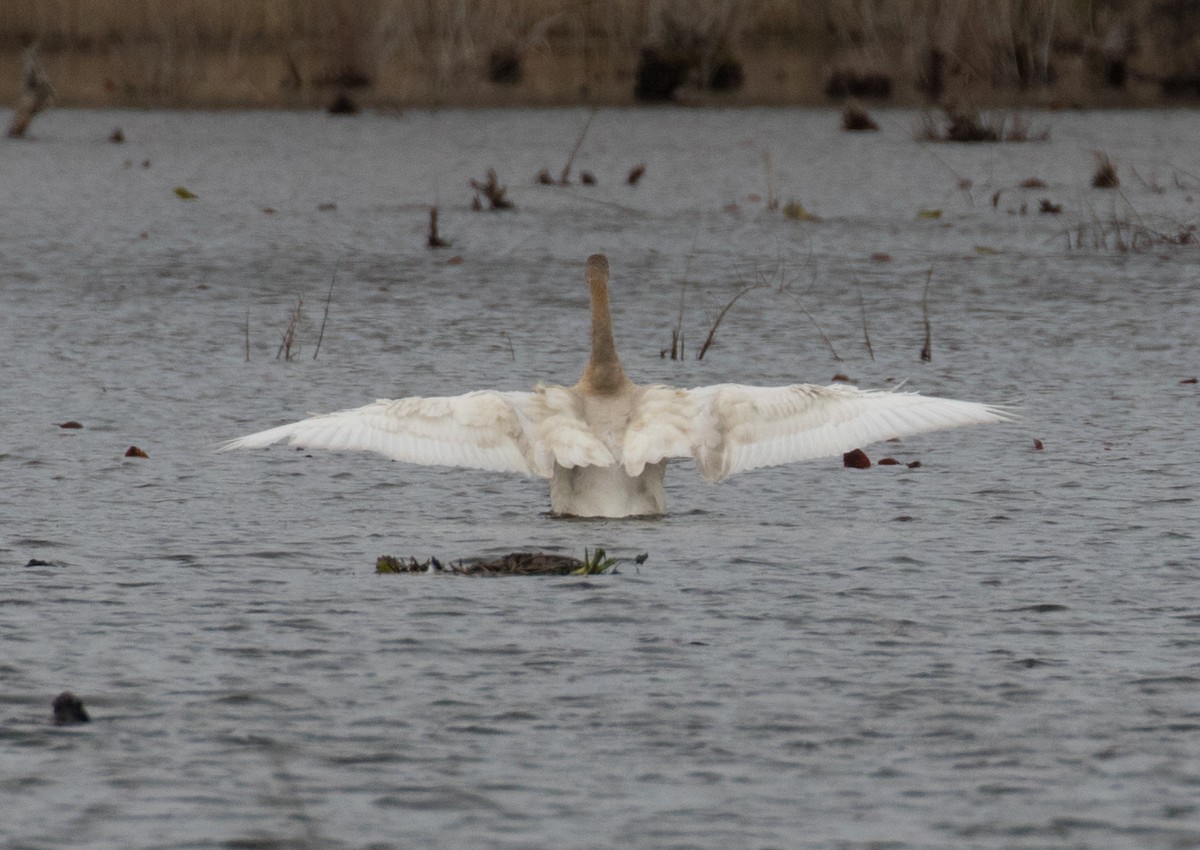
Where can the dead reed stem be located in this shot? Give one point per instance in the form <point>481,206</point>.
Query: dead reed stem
<point>712,332</point>
<point>927,348</point>
<point>564,178</point>
<point>325,315</point>
<point>862,310</point>
<point>288,337</point>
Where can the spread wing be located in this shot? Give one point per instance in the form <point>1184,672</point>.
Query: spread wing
<point>525,432</point>
<point>483,430</point>
<point>730,428</point>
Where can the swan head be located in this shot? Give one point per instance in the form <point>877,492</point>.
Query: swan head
<point>603,375</point>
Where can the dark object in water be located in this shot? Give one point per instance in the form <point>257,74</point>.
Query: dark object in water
<point>659,73</point>
<point>635,174</point>
<point>491,189</point>
<point>1106,172</point>
<point>855,119</point>
<point>343,104</point>
<point>70,424</point>
<point>117,136</point>
<point>38,562</point>
<point>887,461</point>
<point>856,459</point>
<point>587,178</point>
<point>69,710</point>
<point>544,178</point>
<point>512,564</point>
<point>914,464</point>
<point>1048,207</point>
<point>134,451</point>
<point>435,241</point>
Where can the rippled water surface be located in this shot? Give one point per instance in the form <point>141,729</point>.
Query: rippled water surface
<point>996,650</point>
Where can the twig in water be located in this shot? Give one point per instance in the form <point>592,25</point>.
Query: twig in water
<point>772,201</point>
<point>816,324</point>
<point>325,315</point>
<point>435,241</point>
<point>927,348</point>
<point>712,332</point>
<point>862,310</point>
<point>564,177</point>
<point>288,337</point>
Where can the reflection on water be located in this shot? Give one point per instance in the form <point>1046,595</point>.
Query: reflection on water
<point>993,650</point>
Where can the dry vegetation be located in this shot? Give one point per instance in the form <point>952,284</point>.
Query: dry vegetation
<point>398,52</point>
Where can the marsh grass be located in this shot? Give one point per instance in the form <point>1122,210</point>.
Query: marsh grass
<point>951,124</point>
<point>289,347</point>
<point>294,52</point>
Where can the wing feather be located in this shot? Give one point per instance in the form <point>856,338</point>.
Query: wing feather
<point>737,428</point>
<point>483,430</point>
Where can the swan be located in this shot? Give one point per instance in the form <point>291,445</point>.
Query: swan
<point>604,443</point>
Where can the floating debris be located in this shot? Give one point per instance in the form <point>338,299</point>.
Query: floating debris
<point>435,241</point>
<point>512,564</point>
<point>856,459</point>
<point>185,194</point>
<point>544,177</point>
<point>70,424</point>
<point>117,136</point>
<point>1105,176</point>
<point>69,710</point>
<point>1038,445</point>
<point>343,104</point>
<point>856,119</point>
<point>587,178</point>
<point>1032,183</point>
<point>1048,207</point>
<point>914,464</point>
<point>795,211</point>
<point>134,451</point>
<point>491,189</point>
<point>38,562</point>
<point>635,174</point>
<point>887,461</point>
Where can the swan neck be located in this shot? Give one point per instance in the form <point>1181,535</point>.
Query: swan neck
<point>604,373</point>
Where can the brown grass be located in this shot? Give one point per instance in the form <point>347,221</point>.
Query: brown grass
<point>429,52</point>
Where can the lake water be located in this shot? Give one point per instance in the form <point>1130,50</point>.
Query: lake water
<point>999,649</point>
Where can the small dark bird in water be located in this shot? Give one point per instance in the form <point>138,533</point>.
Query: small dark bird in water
<point>69,710</point>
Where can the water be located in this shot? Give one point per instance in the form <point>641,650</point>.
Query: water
<point>995,650</point>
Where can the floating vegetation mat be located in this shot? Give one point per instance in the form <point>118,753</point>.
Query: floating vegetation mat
<point>512,564</point>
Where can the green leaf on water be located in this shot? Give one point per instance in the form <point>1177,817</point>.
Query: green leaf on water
<point>185,193</point>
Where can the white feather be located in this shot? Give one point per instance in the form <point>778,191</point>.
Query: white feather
<point>604,442</point>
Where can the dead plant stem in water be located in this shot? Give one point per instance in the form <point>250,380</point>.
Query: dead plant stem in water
<point>862,311</point>
<point>712,332</point>
<point>564,178</point>
<point>325,315</point>
<point>927,348</point>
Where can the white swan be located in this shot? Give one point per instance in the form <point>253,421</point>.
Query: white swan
<point>604,443</point>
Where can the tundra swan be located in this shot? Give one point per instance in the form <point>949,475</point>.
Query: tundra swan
<point>604,443</point>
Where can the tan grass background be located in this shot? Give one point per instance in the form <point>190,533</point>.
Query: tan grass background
<point>435,52</point>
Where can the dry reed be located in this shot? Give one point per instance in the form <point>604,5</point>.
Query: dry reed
<point>143,52</point>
